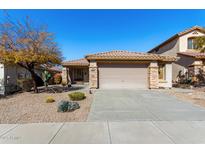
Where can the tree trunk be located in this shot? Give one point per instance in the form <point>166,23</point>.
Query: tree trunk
<point>33,75</point>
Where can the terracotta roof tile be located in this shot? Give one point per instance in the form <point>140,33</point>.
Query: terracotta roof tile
<point>78,62</point>
<point>126,55</point>
<point>55,69</point>
<point>198,55</point>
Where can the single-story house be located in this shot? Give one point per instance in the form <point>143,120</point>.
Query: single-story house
<point>120,70</point>
<point>11,74</point>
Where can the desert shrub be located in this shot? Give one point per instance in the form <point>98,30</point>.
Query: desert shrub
<point>64,106</point>
<point>76,96</point>
<point>57,78</point>
<point>50,99</point>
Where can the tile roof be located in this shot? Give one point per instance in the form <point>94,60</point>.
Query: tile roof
<point>191,29</point>
<point>55,69</point>
<point>77,62</point>
<point>125,55</point>
<point>197,55</point>
<point>50,68</point>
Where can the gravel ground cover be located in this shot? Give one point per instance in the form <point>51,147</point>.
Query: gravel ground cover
<point>28,107</point>
<point>196,95</point>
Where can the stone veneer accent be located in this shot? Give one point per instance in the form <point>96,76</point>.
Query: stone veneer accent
<point>65,76</point>
<point>194,69</point>
<point>153,76</point>
<point>197,65</point>
<point>93,75</point>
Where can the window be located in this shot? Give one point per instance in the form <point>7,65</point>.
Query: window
<point>162,71</point>
<point>191,44</point>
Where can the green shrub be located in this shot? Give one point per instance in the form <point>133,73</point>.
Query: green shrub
<point>76,96</point>
<point>50,99</point>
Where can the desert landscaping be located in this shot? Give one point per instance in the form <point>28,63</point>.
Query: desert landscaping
<point>195,95</point>
<point>29,107</point>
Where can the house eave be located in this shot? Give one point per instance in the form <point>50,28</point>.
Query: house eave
<point>159,58</point>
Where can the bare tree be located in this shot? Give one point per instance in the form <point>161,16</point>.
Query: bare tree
<point>27,45</point>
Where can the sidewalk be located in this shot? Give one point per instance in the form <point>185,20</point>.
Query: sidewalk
<point>105,132</point>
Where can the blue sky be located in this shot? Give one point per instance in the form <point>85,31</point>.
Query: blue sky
<point>81,32</point>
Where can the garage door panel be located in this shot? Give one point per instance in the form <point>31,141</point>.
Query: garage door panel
<point>118,76</point>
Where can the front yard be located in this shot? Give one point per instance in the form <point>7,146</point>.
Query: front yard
<point>28,107</point>
<point>195,95</point>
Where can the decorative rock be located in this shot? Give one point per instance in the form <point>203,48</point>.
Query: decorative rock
<point>73,106</point>
<point>64,106</point>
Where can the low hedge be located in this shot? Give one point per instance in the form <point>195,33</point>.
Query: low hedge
<point>77,96</point>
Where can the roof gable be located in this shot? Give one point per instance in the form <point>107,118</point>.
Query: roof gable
<point>194,28</point>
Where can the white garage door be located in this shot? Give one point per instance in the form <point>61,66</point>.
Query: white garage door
<point>123,76</point>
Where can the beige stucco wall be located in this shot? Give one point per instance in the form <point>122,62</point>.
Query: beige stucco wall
<point>10,74</point>
<point>183,39</point>
<point>14,72</point>
<point>179,45</point>
<point>170,48</point>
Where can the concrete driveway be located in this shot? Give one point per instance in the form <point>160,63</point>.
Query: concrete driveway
<point>132,105</point>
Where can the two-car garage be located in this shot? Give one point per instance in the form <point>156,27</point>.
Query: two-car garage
<point>123,76</point>
<point>125,70</point>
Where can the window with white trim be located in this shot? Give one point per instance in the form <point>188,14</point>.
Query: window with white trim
<point>190,43</point>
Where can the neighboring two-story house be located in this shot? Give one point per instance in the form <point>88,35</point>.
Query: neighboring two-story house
<point>182,46</point>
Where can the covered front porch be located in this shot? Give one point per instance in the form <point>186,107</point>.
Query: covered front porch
<point>79,74</point>
<point>76,71</point>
